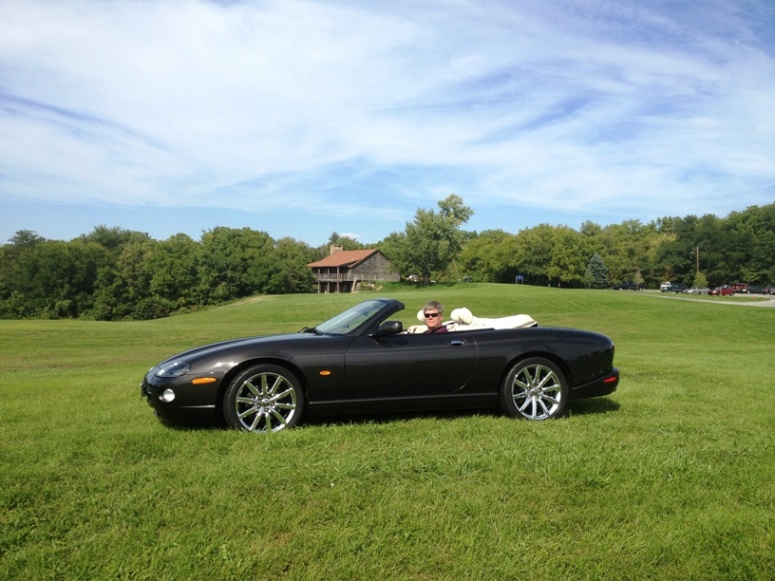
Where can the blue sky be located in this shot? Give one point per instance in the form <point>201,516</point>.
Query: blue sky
<point>303,118</point>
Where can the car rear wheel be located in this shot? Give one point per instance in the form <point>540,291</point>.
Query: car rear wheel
<point>535,389</point>
<point>263,398</point>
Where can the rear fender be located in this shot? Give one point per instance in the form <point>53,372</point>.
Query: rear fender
<point>559,362</point>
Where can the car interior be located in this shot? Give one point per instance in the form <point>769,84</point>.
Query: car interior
<point>462,319</point>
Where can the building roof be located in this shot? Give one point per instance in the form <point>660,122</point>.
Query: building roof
<point>346,258</point>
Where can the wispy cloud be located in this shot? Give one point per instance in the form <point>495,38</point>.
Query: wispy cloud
<point>361,112</point>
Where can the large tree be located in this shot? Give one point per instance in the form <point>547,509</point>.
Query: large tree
<point>533,252</point>
<point>488,257</point>
<point>122,287</point>
<point>289,270</point>
<point>175,267</point>
<point>430,242</point>
<point>235,262</point>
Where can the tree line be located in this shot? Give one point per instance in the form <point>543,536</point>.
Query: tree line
<point>114,274</point>
<point>117,274</point>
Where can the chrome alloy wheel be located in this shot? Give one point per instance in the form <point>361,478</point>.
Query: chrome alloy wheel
<point>267,401</point>
<point>536,390</point>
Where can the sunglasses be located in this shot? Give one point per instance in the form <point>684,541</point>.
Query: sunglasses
<point>431,315</point>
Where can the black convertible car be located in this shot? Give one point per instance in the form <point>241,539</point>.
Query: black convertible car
<point>361,362</point>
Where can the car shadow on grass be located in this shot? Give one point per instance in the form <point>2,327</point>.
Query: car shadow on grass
<point>394,417</point>
<point>575,408</point>
<point>582,407</point>
<point>599,405</point>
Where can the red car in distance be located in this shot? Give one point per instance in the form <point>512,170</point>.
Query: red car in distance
<point>721,291</point>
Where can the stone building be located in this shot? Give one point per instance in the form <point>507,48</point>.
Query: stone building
<point>344,271</point>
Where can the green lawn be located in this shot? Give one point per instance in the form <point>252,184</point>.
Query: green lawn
<point>671,477</point>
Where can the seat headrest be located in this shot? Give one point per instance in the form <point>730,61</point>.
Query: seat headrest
<point>462,316</point>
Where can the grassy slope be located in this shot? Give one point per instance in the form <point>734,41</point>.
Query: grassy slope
<point>670,477</point>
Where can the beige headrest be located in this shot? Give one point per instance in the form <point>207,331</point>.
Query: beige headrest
<point>462,316</point>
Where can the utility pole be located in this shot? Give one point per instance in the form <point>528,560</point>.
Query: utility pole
<point>698,259</point>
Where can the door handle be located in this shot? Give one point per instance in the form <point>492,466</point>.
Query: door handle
<point>457,342</point>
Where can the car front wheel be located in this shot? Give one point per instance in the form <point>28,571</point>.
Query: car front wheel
<point>535,389</point>
<point>264,398</point>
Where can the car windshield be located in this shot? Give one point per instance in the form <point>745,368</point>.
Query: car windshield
<point>350,319</point>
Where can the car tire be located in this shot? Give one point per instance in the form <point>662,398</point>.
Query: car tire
<point>263,398</point>
<point>535,389</point>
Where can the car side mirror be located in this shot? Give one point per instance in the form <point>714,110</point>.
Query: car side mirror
<point>389,328</point>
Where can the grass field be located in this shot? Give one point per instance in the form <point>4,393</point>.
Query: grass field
<point>671,477</point>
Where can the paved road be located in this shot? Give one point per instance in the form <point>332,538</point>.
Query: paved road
<point>753,302</point>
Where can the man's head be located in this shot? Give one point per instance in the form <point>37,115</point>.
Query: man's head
<point>433,313</point>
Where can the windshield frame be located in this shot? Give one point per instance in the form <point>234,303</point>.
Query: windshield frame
<point>359,317</point>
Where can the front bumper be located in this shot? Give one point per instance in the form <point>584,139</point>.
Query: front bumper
<point>179,399</point>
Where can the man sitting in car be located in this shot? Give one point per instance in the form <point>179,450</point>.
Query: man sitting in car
<point>434,315</point>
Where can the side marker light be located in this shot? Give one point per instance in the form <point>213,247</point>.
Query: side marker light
<point>203,380</point>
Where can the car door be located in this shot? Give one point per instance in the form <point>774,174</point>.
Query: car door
<point>409,365</point>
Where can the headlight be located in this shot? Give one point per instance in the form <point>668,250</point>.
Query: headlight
<point>173,369</point>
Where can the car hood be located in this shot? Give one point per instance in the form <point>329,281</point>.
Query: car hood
<point>236,345</point>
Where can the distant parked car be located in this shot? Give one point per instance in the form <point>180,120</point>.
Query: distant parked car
<point>721,291</point>
<point>755,289</point>
<point>768,290</point>
<point>665,286</point>
<point>677,287</point>
<point>696,290</point>
<point>629,285</point>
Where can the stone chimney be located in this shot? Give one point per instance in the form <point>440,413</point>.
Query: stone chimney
<point>334,248</point>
